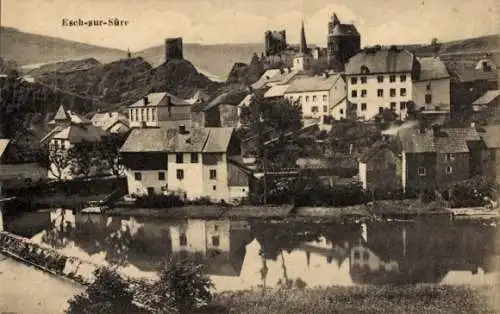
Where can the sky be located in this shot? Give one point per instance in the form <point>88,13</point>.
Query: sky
<point>245,21</point>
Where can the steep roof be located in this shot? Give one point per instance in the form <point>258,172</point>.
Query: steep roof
<point>491,136</point>
<point>487,98</point>
<point>3,145</point>
<point>449,140</point>
<point>160,99</point>
<point>380,61</point>
<point>464,72</point>
<point>209,140</point>
<point>315,83</point>
<point>228,98</point>
<point>276,91</point>
<point>106,120</point>
<point>281,76</point>
<point>432,69</point>
<point>76,133</point>
<point>345,30</point>
<point>61,114</point>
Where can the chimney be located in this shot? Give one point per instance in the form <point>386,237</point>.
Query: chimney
<point>182,129</point>
<point>145,100</point>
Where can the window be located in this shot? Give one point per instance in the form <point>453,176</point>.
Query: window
<point>325,98</point>
<point>402,91</point>
<point>380,78</point>
<point>393,106</point>
<point>402,78</point>
<point>402,105</point>
<point>363,106</point>
<point>380,92</point>
<point>392,78</point>
<point>161,176</point>
<point>428,87</point>
<point>179,158</point>
<point>180,174</point>
<point>341,111</point>
<point>363,80</point>
<point>380,109</point>
<point>354,80</point>
<point>215,240</point>
<point>449,170</point>
<point>449,157</point>
<point>213,174</point>
<point>325,108</point>
<point>183,239</point>
<point>153,114</point>
<point>138,176</point>
<point>354,93</point>
<point>392,92</point>
<point>142,114</point>
<point>63,145</point>
<point>307,98</point>
<point>147,114</point>
<point>299,99</point>
<point>214,187</point>
<point>131,115</point>
<point>314,109</point>
<point>356,255</point>
<point>315,98</point>
<point>354,106</point>
<point>428,99</point>
<point>194,158</point>
<point>363,93</point>
<point>421,171</point>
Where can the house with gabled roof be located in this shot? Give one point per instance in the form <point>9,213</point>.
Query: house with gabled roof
<point>438,158</point>
<point>112,122</point>
<point>380,169</point>
<point>194,163</point>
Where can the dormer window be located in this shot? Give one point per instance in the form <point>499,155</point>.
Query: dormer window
<point>364,69</point>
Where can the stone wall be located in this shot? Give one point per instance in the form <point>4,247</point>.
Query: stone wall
<point>55,263</point>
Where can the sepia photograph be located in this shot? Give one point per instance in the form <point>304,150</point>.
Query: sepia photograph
<point>249,156</point>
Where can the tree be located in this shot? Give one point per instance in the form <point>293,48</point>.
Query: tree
<point>182,285</point>
<point>83,157</point>
<point>108,294</point>
<point>58,160</point>
<point>109,152</point>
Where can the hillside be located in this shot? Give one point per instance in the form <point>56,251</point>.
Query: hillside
<point>214,59</point>
<point>25,48</point>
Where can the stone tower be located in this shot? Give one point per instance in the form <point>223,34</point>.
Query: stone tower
<point>173,49</point>
<point>343,41</point>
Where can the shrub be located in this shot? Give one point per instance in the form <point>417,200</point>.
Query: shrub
<point>182,286</point>
<point>109,293</point>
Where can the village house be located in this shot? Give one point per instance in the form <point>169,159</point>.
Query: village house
<point>380,169</point>
<point>217,244</point>
<point>193,163</point>
<point>390,78</point>
<point>486,108</point>
<point>162,109</point>
<point>222,111</point>
<point>320,97</point>
<point>438,158</point>
<point>490,135</point>
<point>112,122</point>
<point>69,129</point>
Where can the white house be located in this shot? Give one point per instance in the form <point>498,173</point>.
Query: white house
<point>320,97</point>
<point>156,108</point>
<point>191,162</point>
<point>379,78</point>
<point>112,122</point>
<point>69,129</point>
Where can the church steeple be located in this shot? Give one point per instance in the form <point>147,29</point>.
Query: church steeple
<point>335,20</point>
<point>303,43</point>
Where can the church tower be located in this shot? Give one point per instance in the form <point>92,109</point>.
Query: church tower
<point>302,60</point>
<point>343,41</point>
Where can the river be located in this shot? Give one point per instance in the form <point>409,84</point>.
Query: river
<point>243,254</point>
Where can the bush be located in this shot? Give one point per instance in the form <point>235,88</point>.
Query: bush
<point>109,293</point>
<point>183,286</point>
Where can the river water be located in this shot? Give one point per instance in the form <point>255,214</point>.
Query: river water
<point>242,254</point>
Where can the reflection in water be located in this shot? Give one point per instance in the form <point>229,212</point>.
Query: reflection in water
<point>241,254</point>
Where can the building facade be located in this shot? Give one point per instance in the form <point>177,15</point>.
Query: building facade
<point>379,79</point>
<point>191,163</point>
<point>343,41</point>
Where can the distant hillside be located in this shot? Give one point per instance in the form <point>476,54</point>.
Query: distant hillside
<point>25,48</point>
<point>214,59</point>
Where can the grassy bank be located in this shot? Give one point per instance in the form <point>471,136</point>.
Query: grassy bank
<point>370,299</point>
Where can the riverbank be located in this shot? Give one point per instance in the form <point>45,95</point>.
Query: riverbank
<point>366,299</point>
